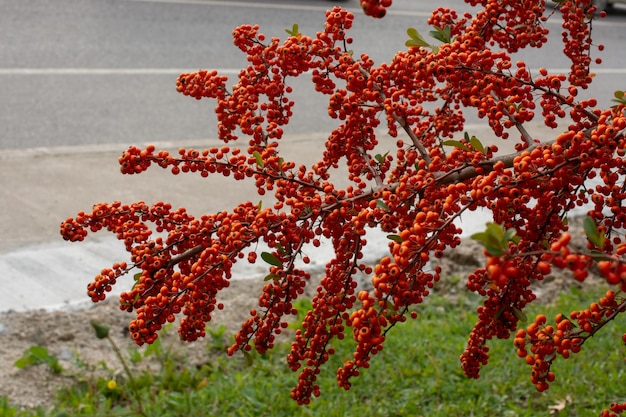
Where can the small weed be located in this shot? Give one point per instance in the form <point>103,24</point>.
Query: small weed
<point>102,332</point>
<point>37,355</point>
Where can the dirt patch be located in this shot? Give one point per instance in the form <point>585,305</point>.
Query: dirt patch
<point>68,334</point>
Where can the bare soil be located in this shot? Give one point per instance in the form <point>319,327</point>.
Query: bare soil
<point>68,334</point>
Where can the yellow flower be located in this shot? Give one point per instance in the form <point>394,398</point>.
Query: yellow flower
<point>111,385</point>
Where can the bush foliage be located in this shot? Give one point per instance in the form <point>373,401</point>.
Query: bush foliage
<point>415,193</point>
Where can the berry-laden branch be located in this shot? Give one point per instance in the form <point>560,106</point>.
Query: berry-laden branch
<point>414,193</point>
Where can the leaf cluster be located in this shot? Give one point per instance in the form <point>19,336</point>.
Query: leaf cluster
<point>39,355</point>
<point>496,239</point>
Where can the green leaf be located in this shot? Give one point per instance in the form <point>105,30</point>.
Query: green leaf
<point>136,278</point>
<point>593,235</point>
<point>39,352</point>
<point>590,228</point>
<point>102,330</point>
<point>294,30</point>
<point>436,34</point>
<point>36,355</point>
<point>271,259</point>
<point>248,358</point>
<point>482,237</point>
<point>510,236</point>
<point>413,33</point>
<point>413,42</point>
<point>32,356</point>
<point>499,313</point>
<point>521,316</point>
<point>476,144</point>
<point>271,277</point>
<point>259,159</point>
<point>495,230</point>
<point>381,158</point>
<point>495,239</point>
<point>415,38</point>
<point>456,144</point>
<point>492,244</point>
<point>440,34</point>
<point>281,250</point>
<point>381,204</point>
<point>619,97</point>
<point>54,364</point>
<point>494,250</point>
<point>395,238</point>
<point>23,362</point>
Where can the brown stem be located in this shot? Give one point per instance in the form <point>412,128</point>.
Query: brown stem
<point>189,253</point>
<point>370,167</point>
<point>403,124</point>
<point>519,126</point>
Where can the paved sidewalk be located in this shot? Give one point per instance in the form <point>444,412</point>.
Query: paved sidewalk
<point>39,188</point>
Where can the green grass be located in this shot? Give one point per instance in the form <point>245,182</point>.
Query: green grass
<point>418,373</point>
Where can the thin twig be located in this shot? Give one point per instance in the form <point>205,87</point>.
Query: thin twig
<point>403,124</point>
<point>519,126</point>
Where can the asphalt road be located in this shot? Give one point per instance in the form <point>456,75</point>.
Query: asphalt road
<point>84,72</point>
<point>75,72</point>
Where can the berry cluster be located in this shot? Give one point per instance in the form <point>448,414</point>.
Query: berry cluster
<point>511,24</point>
<point>429,174</point>
<point>567,336</point>
<point>615,410</point>
<point>375,8</point>
<point>505,285</point>
<point>577,18</point>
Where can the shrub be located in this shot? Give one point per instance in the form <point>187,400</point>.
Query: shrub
<point>414,194</point>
